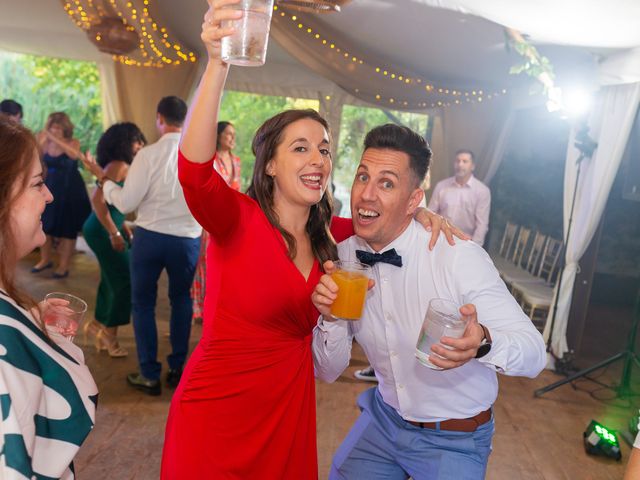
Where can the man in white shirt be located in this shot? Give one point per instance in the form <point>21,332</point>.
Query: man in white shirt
<point>166,237</point>
<point>464,199</point>
<point>419,422</point>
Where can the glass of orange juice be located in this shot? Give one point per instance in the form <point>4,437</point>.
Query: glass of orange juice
<point>352,279</point>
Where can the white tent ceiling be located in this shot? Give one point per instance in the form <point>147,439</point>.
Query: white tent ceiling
<point>440,45</point>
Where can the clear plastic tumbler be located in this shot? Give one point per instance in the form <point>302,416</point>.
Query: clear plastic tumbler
<point>63,313</point>
<point>248,45</point>
<point>443,319</point>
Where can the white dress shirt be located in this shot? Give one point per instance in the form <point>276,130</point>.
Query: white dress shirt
<point>393,316</point>
<point>152,187</point>
<point>467,206</point>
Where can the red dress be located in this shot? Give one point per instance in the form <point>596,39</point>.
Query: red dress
<point>245,408</point>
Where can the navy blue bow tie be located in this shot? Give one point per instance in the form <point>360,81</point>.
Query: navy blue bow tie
<point>390,256</point>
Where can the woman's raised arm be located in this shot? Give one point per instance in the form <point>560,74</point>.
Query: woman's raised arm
<point>198,143</point>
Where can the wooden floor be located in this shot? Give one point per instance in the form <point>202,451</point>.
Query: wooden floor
<point>536,438</point>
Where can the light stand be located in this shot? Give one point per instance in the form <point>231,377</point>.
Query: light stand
<point>586,146</point>
<point>628,355</point>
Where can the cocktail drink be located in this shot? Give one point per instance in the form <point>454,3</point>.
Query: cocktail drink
<point>443,319</point>
<point>248,45</point>
<point>63,313</point>
<point>352,279</point>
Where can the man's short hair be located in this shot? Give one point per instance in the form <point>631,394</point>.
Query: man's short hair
<point>402,139</point>
<point>173,109</point>
<point>468,152</point>
<point>11,107</point>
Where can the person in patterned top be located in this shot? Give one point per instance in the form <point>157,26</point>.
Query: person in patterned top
<point>47,395</point>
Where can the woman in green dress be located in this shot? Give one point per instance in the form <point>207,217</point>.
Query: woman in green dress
<point>107,235</point>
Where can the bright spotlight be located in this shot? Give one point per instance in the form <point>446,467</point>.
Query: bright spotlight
<point>576,101</point>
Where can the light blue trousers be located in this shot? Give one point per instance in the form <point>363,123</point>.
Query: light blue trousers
<point>381,445</point>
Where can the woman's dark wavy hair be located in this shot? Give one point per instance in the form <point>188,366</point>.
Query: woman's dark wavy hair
<point>116,143</point>
<point>264,146</point>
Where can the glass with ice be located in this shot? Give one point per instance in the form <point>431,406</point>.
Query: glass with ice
<point>63,313</point>
<point>248,45</point>
<point>443,319</point>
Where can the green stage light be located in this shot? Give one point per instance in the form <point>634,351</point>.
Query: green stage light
<point>599,440</point>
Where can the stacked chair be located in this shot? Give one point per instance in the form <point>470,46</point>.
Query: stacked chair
<point>529,269</point>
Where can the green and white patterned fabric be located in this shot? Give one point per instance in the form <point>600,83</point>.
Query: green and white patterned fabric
<point>47,399</point>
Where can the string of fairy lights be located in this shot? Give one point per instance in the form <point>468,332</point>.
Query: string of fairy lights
<point>155,47</point>
<point>438,96</point>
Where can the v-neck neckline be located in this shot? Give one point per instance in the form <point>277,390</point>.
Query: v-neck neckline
<point>285,251</point>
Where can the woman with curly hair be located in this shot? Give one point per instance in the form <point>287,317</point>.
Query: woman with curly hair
<point>108,237</point>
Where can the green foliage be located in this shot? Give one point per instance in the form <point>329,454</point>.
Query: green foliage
<point>44,85</point>
<point>247,112</point>
<point>534,65</point>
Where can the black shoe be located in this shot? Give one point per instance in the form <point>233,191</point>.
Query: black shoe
<point>150,387</point>
<point>173,378</point>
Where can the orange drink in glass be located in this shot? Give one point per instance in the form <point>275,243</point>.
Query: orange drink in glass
<point>352,279</point>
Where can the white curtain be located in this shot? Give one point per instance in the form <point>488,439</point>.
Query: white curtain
<point>610,122</point>
<point>111,111</point>
<point>331,109</point>
<point>494,150</point>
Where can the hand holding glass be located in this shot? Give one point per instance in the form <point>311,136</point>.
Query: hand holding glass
<point>63,313</point>
<point>352,279</point>
<point>443,319</point>
<point>248,45</point>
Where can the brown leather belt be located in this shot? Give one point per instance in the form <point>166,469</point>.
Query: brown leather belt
<point>457,424</point>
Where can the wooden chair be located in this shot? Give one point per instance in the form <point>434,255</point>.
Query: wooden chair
<point>536,297</point>
<point>515,259</point>
<point>514,273</point>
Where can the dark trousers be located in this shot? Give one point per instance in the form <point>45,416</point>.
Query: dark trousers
<point>150,254</point>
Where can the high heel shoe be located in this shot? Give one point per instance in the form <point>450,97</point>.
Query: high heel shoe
<point>91,327</point>
<point>108,342</point>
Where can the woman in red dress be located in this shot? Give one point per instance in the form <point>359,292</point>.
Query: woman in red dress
<point>245,407</point>
<point>228,166</point>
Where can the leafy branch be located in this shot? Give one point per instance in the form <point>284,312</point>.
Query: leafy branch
<point>534,65</point>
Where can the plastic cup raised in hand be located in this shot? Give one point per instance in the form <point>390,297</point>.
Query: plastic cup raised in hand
<point>443,319</point>
<point>248,45</point>
<point>352,279</point>
<point>63,313</point>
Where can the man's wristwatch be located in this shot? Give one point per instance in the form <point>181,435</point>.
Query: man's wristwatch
<point>485,345</point>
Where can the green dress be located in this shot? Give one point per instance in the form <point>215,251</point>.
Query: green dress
<point>113,302</point>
